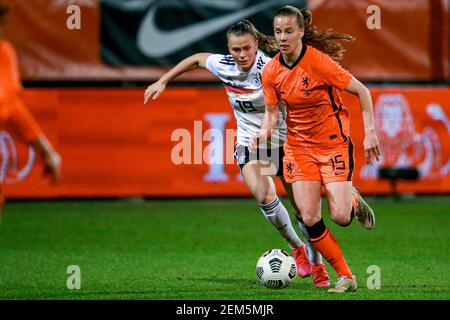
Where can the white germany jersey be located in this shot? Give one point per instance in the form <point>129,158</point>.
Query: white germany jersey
<point>245,93</point>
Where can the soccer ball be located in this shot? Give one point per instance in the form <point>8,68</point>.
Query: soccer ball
<point>276,269</point>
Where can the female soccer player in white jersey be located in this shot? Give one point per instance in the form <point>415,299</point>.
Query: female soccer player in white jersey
<point>240,73</point>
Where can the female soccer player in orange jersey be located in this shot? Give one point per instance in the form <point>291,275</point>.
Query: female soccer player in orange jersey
<point>13,112</point>
<point>240,73</point>
<point>305,78</point>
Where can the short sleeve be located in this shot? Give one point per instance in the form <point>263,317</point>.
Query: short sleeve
<point>213,62</point>
<point>270,93</point>
<point>331,72</point>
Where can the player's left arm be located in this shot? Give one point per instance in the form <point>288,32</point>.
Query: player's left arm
<point>371,145</point>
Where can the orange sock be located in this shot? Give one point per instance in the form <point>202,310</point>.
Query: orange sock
<point>328,246</point>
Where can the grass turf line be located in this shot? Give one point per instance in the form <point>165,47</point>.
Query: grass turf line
<point>207,249</point>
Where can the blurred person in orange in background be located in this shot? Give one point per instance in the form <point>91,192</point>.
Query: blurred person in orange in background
<point>13,112</point>
<point>305,77</point>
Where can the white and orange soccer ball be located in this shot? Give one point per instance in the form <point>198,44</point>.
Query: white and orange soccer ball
<point>276,269</point>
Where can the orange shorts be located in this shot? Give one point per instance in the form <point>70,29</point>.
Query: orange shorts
<point>330,164</point>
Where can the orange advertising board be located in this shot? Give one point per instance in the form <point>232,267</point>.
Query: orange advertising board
<point>182,144</point>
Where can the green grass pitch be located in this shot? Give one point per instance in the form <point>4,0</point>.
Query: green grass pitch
<point>207,249</point>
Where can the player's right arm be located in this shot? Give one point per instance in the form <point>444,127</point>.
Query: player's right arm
<point>197,60</point>
<point>269,123</point>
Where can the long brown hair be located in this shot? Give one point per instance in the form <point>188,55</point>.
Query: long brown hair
<point>244,27</point>
<point>328,42</point>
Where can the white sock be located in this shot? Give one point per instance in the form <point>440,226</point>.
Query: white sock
<point>278,216</point>
<point>314,256</point>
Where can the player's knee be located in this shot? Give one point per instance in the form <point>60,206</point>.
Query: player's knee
<point>341,217</point>
<point>310,218</point>
<point>266,196</point>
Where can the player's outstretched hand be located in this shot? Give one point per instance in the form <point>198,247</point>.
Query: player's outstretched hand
<point>253,143</point>
<point>154,91</point>
<point>50,158</point>
<point>371,148</point>
<point>52,166</point>
<point>258,139</point>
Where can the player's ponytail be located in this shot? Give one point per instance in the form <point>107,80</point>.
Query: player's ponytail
<point>328,42</point>
<point>244,27</point>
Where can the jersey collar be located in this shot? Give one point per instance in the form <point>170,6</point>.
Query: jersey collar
<point>296,61</point>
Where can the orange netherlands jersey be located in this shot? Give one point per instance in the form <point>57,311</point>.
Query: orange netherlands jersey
<point>13,113</point>
<point>309,91</point>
